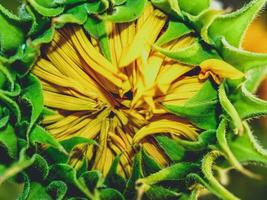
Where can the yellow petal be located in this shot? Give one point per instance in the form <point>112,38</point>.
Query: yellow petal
<point>220,68</point>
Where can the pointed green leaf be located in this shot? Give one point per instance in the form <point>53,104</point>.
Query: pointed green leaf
<point>234,25</point>
<point>150,166</point>
<point>175,172</point>
<point>255,78</point>
<point>111,194</point>
<point>37,191</point>
<point>8,140</point>
<point>171,7</point>
<point>57,190</point>
<point>241,59</point>
<point>41,136</point>
<point>201,109</point>
<point>230,110</point>
<point>158,192</point>
<point>247,105</point>
<point>175,30</point>
<point>77,15</point>
<point>38,171</point>
<point>11,34</point>
<point>11,105</point>
<point>97,29</point>
<point>207,164</point>
<point>97,7</point>
<point>247,149</point>
<point>205,139</point>
<point>129,11</point>
<point>174,151</point>
<point>46,11</point>
<point>194,54</point>
<point>67,174</point>
<point>223,143</point>
<point>194,7</point>
<point>130,191</point>
<point>32,95</point>
<point>113,179</point>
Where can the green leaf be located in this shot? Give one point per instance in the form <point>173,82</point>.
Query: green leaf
<point>137,173</point>
<point>113,179</point>
<point>150,166</point>
<point>44,38</point>
<point>37,191</point>
<point>129,11</point>
<point>217,188</point>
<point>201,109</point>
<point>46,11</point>
<point>255,78</point>
<point>67,174</point>
<point>175,30</point>
<point>40,135</point>
<point>247,149</point>
<point>11,34</point>
<point>171,7</point>
<point>11,105</point>
<point>32,95</point>
<point>230,110</point>
<point>77,15</point>
<point>38,171</point>
<point>175,172</point>
<point>174,151</point>
<point>194,54</point>
<point>160,193</point>
<point>97,29</point>
<point>92,179</point>
<point>241,59</point>
<point>111,194</point>
<point>57,190</point>
<point>97,7</point>
<point>205,139</point>
<point>247,105</point>
<point>234,25</point>
<point>8,140</point>
<point>194,7</point>
<point>223,143</point>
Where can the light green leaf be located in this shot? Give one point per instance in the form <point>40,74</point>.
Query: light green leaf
<point>174,151</point>
<point>97,29</point>
<point>8,140</point>
<point>194,54</point>
<point>234,25</point>
<point>46,11</point>
<point>137,173</point>
<point>214,185</point>
<point>194,7</point>
<point>37,191</point>
<point>201,109</point>
<point>32,95</point>
<point>241,59</point>
<point>111,194</point>
<point>247,149</point>
<point>77,15</point>
<point>11,34</point>
<point>129,11</point>
<point>40,135</point>
<point>57,190</point>
<point>175,30</point>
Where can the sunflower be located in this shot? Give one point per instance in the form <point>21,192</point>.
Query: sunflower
<point>127,99</point>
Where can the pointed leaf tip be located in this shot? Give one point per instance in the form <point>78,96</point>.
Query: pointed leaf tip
<point>234,25</point>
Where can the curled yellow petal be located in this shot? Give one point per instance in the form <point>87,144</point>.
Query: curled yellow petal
<point>219,70</point>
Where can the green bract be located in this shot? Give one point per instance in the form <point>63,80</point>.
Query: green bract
<point>221,112</point>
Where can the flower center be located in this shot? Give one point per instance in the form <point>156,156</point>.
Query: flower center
<point>113,90</point>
